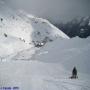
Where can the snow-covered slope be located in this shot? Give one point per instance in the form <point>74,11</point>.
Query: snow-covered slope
<point>47,68</point>
<point>50,68</point>
<point>19,31</point>
<point>24,26</point>
<point>10,45</point>
<point>70,53</point>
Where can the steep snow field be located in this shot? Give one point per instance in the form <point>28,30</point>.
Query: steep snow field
<point>50,67</point>
<point>20,31</point>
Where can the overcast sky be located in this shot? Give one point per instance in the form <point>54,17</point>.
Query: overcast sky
<point>55,10</point>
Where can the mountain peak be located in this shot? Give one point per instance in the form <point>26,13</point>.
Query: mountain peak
<point>29,29</point>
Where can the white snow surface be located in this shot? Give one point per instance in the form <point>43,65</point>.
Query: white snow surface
<point>47,68</point>
<point>50,67</point>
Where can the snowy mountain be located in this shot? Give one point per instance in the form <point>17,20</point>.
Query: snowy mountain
<point>79,26</point>
<point>25,67</point>
<point>19,31</point>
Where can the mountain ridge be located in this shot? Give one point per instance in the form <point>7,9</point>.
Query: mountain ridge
<point>26,30</point>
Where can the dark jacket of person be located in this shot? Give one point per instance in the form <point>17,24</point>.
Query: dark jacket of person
<point>74,72</point>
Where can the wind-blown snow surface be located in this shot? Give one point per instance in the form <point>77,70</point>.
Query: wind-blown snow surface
<point>50,67</point>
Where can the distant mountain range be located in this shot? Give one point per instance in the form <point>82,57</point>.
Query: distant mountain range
<point>76,27</point>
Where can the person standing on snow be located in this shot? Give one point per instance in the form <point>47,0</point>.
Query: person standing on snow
<point>74,73</point>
